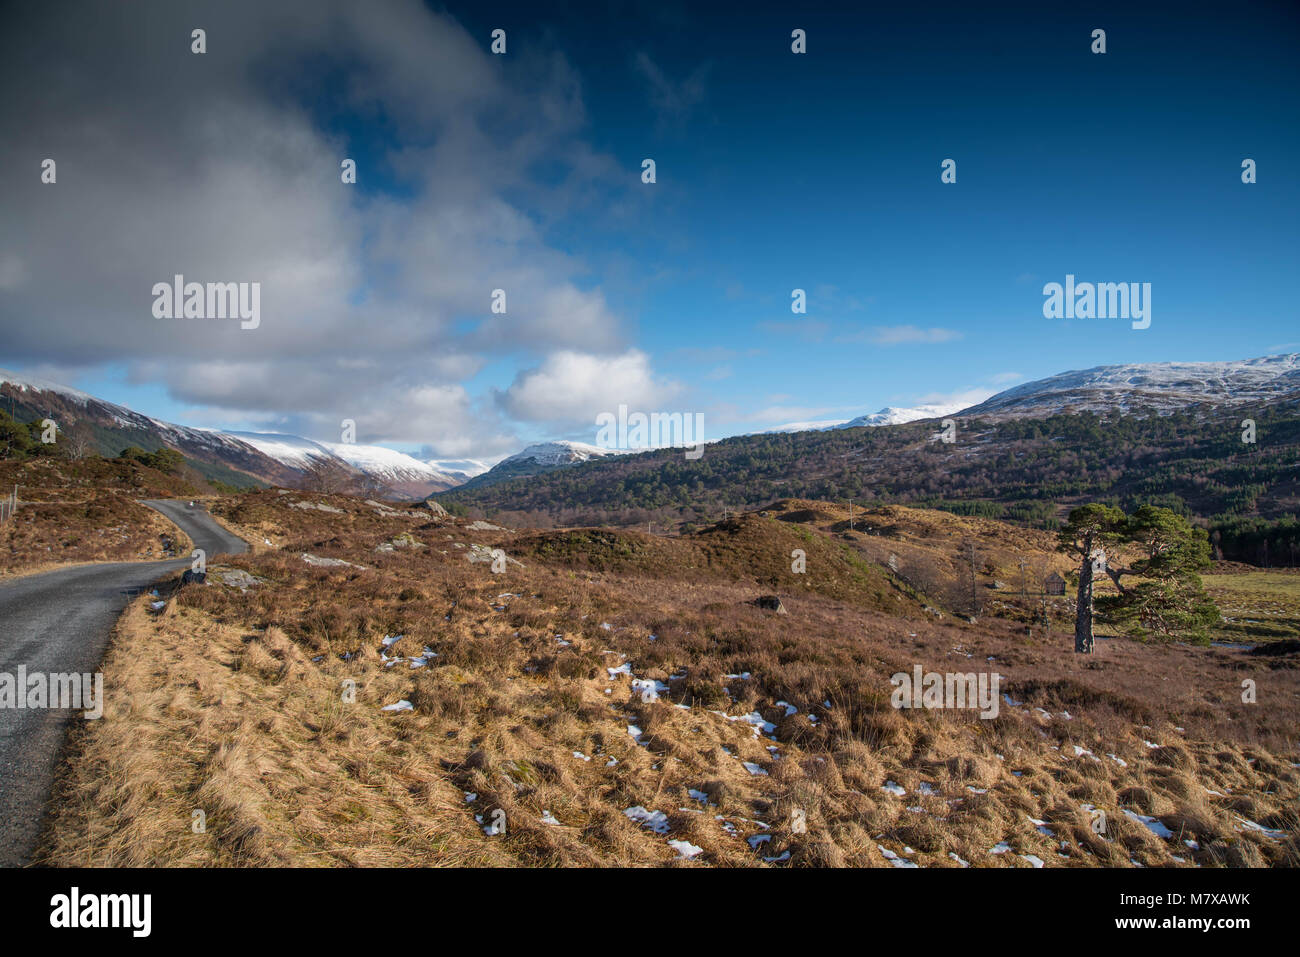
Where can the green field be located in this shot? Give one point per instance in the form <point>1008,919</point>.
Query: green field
<point>1257,606</point>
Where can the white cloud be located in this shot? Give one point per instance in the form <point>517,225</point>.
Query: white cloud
<point>373,307</point>
<point>575,387</point>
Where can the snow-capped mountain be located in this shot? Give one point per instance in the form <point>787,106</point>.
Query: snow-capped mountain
<point>401,473</point>
<point>542,457</point>
<point>233,457</point>
<point>386,463</point>
<point>290,450</point>
<point>890,415</point>
<point>31,383</point>
<point>395,470</point>
<point>1137,387</point>
<point>118,415</point>
<point>559,453</point>
<point>815,426</point>
<point>1149,387</point>
<point>280,459</point>
<point>108,428</point>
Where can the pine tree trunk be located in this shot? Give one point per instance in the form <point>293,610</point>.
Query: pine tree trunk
<point>1083,614</point>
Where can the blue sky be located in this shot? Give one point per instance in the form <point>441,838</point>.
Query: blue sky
<point>775,171</point>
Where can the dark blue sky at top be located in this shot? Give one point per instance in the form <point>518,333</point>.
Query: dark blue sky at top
<point>821,172</point>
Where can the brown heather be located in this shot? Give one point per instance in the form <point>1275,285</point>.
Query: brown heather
<point>73,512</point>
<point>232,702</point>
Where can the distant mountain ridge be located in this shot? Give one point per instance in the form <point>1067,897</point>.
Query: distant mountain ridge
<point>1168,433</point>
<point>559,453</point>
<point>237,458</point>
<point>401,473</point>
<point>1151,387</point>
<point>539,458</point>
<point>889,415</point>
<point>110,428</point>
<point>244,458</point>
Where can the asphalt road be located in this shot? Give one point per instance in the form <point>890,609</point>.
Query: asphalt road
<point>59,622</point>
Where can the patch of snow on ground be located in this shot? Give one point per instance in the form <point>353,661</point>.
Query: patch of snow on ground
<point>685,848</point>
<point>1248,825</point>
<point>657,821</point>
<point>1153,825</point>
<point>894,858</point>
<point>648,688</point>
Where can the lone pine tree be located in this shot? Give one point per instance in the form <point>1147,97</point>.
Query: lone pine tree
<point>1168,599</point>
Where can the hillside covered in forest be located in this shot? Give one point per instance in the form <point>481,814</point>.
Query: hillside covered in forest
<point>1028,470</point>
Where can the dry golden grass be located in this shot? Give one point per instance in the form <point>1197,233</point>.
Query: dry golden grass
<point>232,702</point>
<point>78,512</point>
<point>106,527</point>
<point>931,533</point>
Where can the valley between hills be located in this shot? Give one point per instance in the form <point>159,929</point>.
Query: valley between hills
<point>639,660</point>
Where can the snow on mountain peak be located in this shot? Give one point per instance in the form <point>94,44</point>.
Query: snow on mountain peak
<point>374,460</point>
<point>38,384</point>
<point>385,463</point>
<point>1159,386</point>
<point>892,415</point>
<point>560,452</point>
<point>290,450</point>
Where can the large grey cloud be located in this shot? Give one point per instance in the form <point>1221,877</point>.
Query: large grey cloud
<point>225,167</point>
